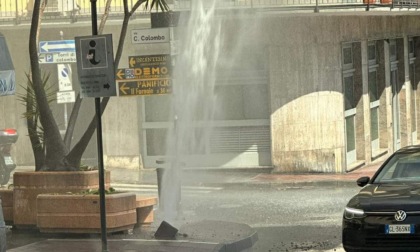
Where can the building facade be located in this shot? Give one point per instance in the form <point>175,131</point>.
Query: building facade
<point>305,92</point>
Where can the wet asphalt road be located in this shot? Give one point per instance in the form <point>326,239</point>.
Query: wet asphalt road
<point>306,218</point>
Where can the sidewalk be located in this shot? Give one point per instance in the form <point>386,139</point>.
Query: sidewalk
<point>322,178</point>
<point>226,177</point>
<point>231,177</point>
<point>204,236</point>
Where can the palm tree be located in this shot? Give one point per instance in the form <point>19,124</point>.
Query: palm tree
<point>56,153</point>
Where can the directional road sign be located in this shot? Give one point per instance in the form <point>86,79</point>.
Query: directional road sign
<point>54,58</point>
<point>148,75</point>
<point>147,67</point>
<point>57,46</point>
<point>95,65</point>
<point>145,87</point>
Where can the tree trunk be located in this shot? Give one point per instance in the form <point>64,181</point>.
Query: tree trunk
<point>75,155</point>
<point>55,148</point>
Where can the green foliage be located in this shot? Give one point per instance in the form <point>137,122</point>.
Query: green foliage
<point>111,190</point>
<point>28,99</point>
<point>87,168</point>
<point>157,4</point>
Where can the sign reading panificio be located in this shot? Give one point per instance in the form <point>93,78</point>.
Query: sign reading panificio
<point>147,75</point>
<point>95,65</point>
<point>145,87</point>
<point>147,36</point>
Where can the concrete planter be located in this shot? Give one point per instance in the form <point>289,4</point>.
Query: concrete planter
<point>74,213</point>
<point>6,197</point>
<point>28,185</point>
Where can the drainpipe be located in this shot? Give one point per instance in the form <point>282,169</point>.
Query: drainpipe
<point>2,231</point>
<point>17,13</point>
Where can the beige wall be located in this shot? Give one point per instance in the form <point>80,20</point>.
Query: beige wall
<point>306,100</point>
<point>307,119</point>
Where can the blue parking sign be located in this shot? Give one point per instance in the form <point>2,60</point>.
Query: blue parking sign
<point>49,57</point>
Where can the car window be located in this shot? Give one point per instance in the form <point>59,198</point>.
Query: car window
<point>401,167</point>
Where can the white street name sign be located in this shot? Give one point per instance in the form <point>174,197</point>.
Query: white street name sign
<point>148,36</point>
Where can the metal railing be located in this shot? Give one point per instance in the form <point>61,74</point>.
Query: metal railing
<point>20,11</point>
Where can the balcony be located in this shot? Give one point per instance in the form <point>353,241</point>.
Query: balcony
<point>69,11</point>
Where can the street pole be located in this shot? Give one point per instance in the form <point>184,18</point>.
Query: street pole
<point>66,123</point>
<point>99,144</point>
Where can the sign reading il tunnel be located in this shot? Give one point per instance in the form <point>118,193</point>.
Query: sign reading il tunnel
<point>147,75</point>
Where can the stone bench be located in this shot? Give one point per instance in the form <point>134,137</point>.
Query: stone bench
<point>144,209</point>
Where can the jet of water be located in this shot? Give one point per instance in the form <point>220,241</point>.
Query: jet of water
<point>194,99</point>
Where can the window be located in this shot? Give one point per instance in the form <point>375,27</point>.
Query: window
<point>347,56</point>
<point>349,92</point>
<point>372,53</point>
<point>373,86</point>
<point>411,47</point>
<point>374,123</point>
<point>373,95</point>
<point>350,134</point>
<point>349,101</point>
<point>393,50</point>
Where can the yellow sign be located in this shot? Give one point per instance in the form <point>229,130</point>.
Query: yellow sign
<point>143,73</point>
<point>145,87</point>
<point>147,75</point>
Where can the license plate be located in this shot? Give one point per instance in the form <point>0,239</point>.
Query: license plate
<point>399,229</point>
<point>8,160</point>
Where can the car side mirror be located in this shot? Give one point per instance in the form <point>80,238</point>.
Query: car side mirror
<point>363,181</point>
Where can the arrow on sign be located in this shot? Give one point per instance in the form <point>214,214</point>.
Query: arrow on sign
<point>57,46</point>
<point>120,74</point>
<point>132,62</point>
<point>123,88</point>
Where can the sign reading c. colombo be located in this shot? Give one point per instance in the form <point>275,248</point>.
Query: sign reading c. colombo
<point>148,36</point>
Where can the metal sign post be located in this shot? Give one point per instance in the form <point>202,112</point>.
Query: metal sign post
<point>99,142</point>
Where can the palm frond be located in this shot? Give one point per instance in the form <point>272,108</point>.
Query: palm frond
<point>28,99</point>
<point>157,4</point>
